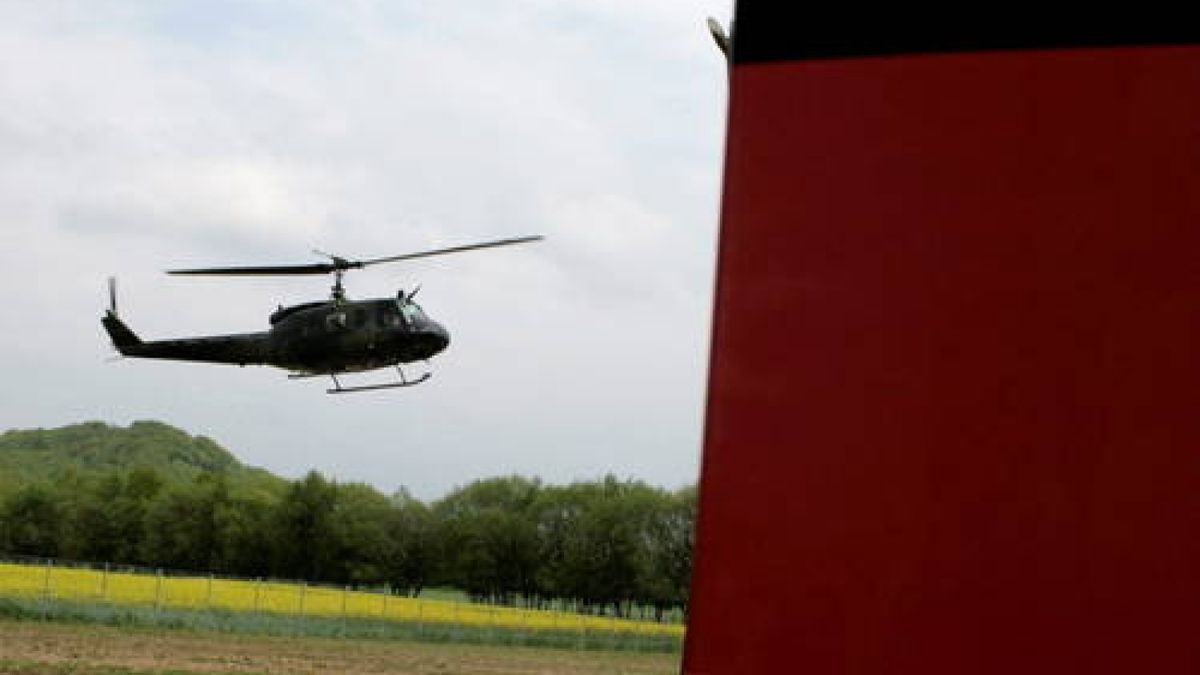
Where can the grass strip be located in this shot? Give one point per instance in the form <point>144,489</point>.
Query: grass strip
<point>268,623</point>
<point>14,667</point>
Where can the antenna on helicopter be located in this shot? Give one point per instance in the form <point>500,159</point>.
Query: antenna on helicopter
<point>720,36</point>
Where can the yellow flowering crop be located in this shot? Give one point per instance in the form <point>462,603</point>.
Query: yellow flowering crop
<point>81,584</point>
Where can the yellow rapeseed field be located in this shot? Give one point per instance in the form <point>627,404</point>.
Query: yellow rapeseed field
<point>82,584</point>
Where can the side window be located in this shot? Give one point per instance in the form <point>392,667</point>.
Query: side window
<point>388,317</point>
<point>335,321</point>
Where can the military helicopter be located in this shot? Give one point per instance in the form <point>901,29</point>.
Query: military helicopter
<point>314,339</point>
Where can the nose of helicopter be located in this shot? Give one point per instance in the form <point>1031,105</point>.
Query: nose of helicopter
<point>438,336</point>
<point>443,336</point>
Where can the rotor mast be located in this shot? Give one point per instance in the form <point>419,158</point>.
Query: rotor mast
<point>337,292</point>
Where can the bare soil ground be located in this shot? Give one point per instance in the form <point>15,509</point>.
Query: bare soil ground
<point>30,647</point>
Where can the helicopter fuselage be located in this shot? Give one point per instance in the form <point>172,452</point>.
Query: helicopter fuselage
<point>333,337</point>
<point>317,338</point>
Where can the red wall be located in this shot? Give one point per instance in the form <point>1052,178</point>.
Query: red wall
<point>954,402</point>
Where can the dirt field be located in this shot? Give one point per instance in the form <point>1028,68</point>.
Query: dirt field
<point>29,647</point>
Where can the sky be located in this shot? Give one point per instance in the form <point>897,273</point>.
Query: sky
<point>143,136</point>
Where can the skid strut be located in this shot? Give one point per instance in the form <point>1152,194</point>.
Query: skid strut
<point>404,382</point>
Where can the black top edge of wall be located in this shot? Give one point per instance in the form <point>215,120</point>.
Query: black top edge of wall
<point>772,31</point>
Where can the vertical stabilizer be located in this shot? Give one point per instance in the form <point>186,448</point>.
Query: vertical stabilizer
<point>122,336</point>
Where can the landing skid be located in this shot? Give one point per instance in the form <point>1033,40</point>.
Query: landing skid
<point>404,382</point>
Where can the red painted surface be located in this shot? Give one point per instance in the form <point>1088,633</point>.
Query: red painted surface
<point>954,408</point>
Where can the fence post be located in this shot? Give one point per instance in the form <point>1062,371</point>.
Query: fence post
<point>46,588</point>
<point>616,613</point>
<point>257,588</point>
<point>208,594</point>
<point>345,593</point>
<point>526,626</point>
<point>492,623</point>
<point>157,593</point>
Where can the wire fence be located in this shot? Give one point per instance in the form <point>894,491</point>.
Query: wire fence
<point>48,588</point>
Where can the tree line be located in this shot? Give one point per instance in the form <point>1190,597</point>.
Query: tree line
<point>603,545</point>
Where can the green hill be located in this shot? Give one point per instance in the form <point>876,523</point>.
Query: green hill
<point>34,455</point>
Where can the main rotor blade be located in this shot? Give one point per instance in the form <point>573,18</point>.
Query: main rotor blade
<point>315,268</point>
<point>452,249</point>
<point>338,264</point>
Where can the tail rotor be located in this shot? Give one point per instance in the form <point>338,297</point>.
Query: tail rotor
<point>112,295</point>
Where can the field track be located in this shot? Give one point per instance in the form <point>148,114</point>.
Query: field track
<point>35,647</point>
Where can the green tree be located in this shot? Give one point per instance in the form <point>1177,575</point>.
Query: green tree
<point>593,537</point>
<point>31,521</point>
<point>359,527</point>
<point>665,570</point>
<point>556,515</point>
<point>185,524</point>
<point>250,545</point>
<point>304,541</point>
<point>411,525</point>
<point>152,494</point>
<point>139,489</point>
<point>488,538</point>
<point>98,533</point>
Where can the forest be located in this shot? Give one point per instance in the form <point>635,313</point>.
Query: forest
<point>152,496</point>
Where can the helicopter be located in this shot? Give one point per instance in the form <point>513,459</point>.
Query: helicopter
<point>314,339</point>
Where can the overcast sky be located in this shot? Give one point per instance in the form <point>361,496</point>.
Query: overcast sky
<point>138,137</point>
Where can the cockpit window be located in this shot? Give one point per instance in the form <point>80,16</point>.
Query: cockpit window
<point>412,311</point>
